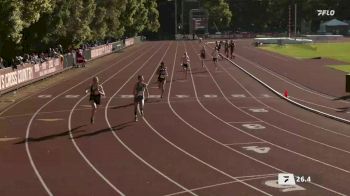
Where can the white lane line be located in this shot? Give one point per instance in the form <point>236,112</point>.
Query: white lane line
<point>44,96</point>
<point>182,96</point>
<point>42,90</point>
<point>279,128</point>
<point>36,171</point>
<point>210,96</point>
<point>244,143</point>
<point>258,177</point>
<point>126,146</point>
<point>49,119</point>
<point>7,139</point>
<point>244,122</point>
<point>239,95</point>
<point>154,96</point>
<point>126,96</point>
<point>201,161</point>
<point>72,96</point>
<point>293,83</point>
<point>260,139</point>
<point>311,103</point>
<point>72,137</point>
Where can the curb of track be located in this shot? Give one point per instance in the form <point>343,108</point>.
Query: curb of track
<point>286,98</point>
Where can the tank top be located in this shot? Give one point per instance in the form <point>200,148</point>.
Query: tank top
<point>162,72</point>
<point>93,90</point>
<point>140,88</point>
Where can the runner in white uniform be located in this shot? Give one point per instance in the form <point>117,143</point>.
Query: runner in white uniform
<point>139,95</point>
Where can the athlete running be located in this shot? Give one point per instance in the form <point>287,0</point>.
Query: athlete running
<point>96,91</point>
<point>203,55</point>
<point>185,63</point>
<point>226,48</point>
<point>139,95</point>
<point>162,74</point>
<point>232,48</point>
<point>215,55</point>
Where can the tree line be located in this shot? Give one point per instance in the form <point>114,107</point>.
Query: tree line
<point>36,25</point>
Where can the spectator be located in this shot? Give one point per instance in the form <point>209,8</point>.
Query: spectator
<point>2,65</point>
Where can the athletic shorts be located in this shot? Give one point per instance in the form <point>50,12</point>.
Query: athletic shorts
<point>96,99</point>
<point>138,98</point>
<point>161,79</point>
<point>215,59</point>
<point>185,65</point>
<point>202,56</point>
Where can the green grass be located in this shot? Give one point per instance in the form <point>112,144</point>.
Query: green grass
<point>336,51</point>
<point>344,68</point>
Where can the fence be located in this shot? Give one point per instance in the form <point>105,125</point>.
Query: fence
<point>11,79</point>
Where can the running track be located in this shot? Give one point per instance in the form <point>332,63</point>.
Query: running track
<point>216,133</point>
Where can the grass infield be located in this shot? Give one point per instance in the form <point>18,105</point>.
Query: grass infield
<point>336,51</point>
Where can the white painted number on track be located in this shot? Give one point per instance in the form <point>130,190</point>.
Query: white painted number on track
<point>44,96</point>
<point>253,126</point>
<point>210,96</point>
<point>72,96</point>
<point>258,110</point>
<point>284,188</point>
<point>127,96</point>
<point>182,96</point>
<point>238,95</point>
<point>260,150</point>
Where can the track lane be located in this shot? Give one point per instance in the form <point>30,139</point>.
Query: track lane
<point>217,112</point>
<point>14,151</point>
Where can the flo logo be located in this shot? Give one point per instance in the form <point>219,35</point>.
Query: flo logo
<point>325,12</point>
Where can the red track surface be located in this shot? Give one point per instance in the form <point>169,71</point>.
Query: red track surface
<point>192,142</point>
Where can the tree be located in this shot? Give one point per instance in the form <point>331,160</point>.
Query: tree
<point>153,16</point>
<point>220,14</point>
<point>15,16</point>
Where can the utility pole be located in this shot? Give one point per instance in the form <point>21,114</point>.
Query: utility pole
<point>175,18</point>
<point>295,20</point>
<point>289,21</point>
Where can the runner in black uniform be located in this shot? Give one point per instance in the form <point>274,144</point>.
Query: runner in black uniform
<point>139,95</point>
<point>226,48</point>
<point>203,55</point>
<point>162,74</point>
<point>185,63</point>
<point>96,91</point>
<point>232,48</point>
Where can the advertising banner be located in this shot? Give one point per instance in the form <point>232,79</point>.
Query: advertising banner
<point>27,72</point>
<point>101,50</point>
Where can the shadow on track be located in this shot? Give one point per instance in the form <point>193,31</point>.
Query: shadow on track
<point>115,128</point>
<point>345,97</point>
<point>53,136</point>
<point>121,106</point>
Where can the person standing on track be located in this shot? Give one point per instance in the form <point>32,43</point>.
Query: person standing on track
<point>96,91</point>
<point>185,63</point>
<point>215,55</point>
<point>162,74</point>
<point>202,54</point>
<point>226,48</point>
<point>232,48</point>
<point>139,96</point>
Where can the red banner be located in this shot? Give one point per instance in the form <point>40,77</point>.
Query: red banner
<point>27,72</point>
